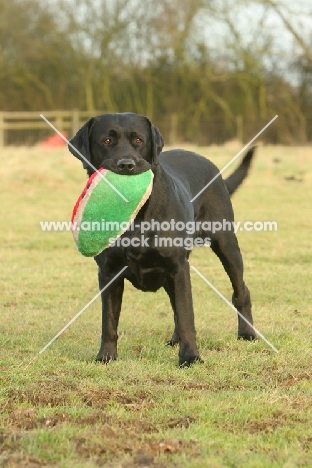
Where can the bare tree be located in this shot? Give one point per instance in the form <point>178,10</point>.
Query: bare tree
<point>279,8</point>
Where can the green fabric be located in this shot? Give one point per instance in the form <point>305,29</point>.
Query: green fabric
<point>104,203</point>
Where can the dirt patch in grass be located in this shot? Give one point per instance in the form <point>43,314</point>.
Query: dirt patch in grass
<point>165,381</point>
<point>99,398</point>
<point>269,424</point>
<point>10,443</point>
<point>212,386</point>
<point>141,453</point>
<point>306,443</point>
<point>290,379</point>
<point>191,385</point>
<point>24,461</point>
<point>183,422</point>
<point>44,393</point>
<point>56,393</point>
<point>277,419</point>
<point>28,419</point>
<point>103,440</point>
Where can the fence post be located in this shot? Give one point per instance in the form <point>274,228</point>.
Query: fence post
<point>239,128</point>
<point>75,121</point>
<point>2,130</point>
<point>59,121</point>
<point>173,128</point>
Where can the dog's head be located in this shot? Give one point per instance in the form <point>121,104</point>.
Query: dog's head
<point>123,143</point>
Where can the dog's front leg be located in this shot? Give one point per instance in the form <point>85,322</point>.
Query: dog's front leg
<point>180,293</point>
<point>111,306</point>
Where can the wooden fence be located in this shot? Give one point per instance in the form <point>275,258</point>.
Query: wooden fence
<point>69,121</point>
<point>14,124</point>
<point>28,128</point>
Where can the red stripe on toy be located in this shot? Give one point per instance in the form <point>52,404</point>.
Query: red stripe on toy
<point>89,182</point>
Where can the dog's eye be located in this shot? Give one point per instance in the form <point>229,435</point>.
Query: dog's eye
<point>107,141</point>
<point>138,141</point>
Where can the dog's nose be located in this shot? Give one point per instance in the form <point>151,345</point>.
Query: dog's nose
<point>126,165</point>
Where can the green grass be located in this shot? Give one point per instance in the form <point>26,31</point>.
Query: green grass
<point>245,406</point>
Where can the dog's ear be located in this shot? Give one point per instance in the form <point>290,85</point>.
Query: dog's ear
<point>79,144</point>
<point>157,143</point>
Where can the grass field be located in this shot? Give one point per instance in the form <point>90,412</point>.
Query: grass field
<point>246,406</point>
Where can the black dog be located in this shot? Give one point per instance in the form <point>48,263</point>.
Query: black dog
<point>129,143</point>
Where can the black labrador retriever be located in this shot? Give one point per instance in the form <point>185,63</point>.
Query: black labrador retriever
<point>129,143</point>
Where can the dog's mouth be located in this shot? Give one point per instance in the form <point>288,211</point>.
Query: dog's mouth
<point>126,166</point>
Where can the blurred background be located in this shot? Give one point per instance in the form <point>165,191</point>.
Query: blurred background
<point>204,71</point>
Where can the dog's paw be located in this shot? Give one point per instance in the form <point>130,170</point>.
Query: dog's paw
<point>247,337</point>
<point>188,354</point>
<point>171,342</point>
<point>190,361</point>
<point>107,353</point>
<point>105,359</point>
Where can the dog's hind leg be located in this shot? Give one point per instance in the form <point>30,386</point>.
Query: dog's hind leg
<point>227,249</point>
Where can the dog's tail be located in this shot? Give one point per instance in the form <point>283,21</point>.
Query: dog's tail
<point>235,179</point>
